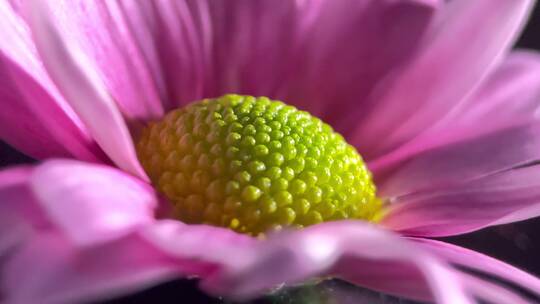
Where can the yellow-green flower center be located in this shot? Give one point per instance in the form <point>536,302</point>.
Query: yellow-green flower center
<point>253,164</point>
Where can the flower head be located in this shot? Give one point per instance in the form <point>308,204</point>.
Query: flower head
<point>167,178</point>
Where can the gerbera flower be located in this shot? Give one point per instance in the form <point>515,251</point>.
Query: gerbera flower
<point>425,91</point>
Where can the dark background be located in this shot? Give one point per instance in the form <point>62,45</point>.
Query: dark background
<point>517,244</point>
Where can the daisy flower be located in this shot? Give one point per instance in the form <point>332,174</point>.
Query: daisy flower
<point>166,154</point>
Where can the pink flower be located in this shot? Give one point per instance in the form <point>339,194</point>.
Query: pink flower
<point>426,90</point>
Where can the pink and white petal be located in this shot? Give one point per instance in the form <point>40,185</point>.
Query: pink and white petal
<point>90,203</point>
<point>465,207</point>
<point>34,117</point>
<point>480,262</point>
<point>462,47</point>
<point>78,80</point>
<point>99,29</point>
<point>248,267</point>
<point>455,156</point>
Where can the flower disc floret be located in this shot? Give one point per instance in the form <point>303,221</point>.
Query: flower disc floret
<point>253,164</point>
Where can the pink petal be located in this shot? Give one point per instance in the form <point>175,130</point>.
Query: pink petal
<point>494,121</point>
<point>62,273</point>
<point>479,262</point>
<point>508,196</point>
<point>194,54</point>
<point>509,95</point>
<point>325,57</point>
<point>254,58</point>
<point>87,203</point>
<point>176,38</point>
<point>507,98</point>
<point>101,270</point>
<point>80,83</point>
<point>465,41</point>
<point>175,41</point>
<point>34,117</point>
<point>248,268</point>
<point>84,255</point>
<point>455,156</point>
<point>512,92</point>
<point>190,46</point>
<point>48,269</point>
<point>493,293</point>
<point>17,209</point>
<point>183,51</point>
<point>91,203</point>
<point>90,257</point>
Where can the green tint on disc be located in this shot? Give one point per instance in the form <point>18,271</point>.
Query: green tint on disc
<point>253,164</point>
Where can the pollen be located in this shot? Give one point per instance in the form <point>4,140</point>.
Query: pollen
<point>253,165</point>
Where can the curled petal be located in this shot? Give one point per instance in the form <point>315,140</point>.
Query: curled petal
<point>501,198</point>
<point>59,223</point>
<point>479,262</point>
<point>83,251</point>
<point>92,203</point>
<point>446,68</point>
<point>62,273</point>
<point>248,267</point>
<point>79,82</point>
<point>82,232</point>
<point>87,203</point>
<point>493,293</point>
<point>34,117</point>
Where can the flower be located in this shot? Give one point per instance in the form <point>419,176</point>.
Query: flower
<point>425,90</point>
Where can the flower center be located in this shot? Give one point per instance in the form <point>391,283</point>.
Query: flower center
<point>253,164</point>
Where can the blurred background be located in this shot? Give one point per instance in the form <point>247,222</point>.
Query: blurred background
<point>517,244</point>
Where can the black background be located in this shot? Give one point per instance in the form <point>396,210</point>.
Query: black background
<point>517,244</point>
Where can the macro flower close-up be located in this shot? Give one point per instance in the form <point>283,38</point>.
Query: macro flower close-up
<point>258,145</point>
